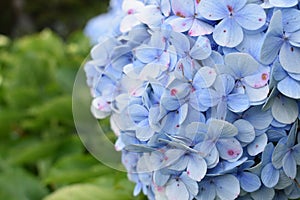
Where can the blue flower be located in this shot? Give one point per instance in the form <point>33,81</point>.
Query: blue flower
<point>187,17</point>
<point>283,38</point>
<point>286,154</point>
<point>235,16</point>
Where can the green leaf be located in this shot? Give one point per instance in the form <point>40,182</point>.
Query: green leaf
<point>88,192</point>
<point>17,184</point>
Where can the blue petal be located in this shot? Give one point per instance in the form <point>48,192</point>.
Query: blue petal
<point>207,191</point>
<point>263,193</point>
<point>259,119</point>
<point>289,165</point>
<point>177,190</point>
<point>204,77</point>
<point>296,153</point>
<point>273,40</point>
<point>225,190</point>
<point>249,181</point>
<point>289,87</point>
<point>246,132</point>
<point>269,175</point>
<point>196,168</point>
<point>190,184</point>
<point>208,97</point>
<point>285,110</point>
<point>258,145</point>
<point>180,24</point>
<point>284,3</point>
<point>289,58</point>
<point>279,152</point>
<point>183,8</point>
<point>251,17</point>
<point>229,149</point>
<point>160,178</point>
<point>242,64</point>
<point>238,102</point>
<point>228,33</point>
<point>291,18</point>
<point>212,10</point>
<point>200,28</point>
<point>201,49</point>
<point>222,129</point>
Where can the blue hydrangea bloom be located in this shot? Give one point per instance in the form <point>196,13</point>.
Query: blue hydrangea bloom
<point>235,16</point>
<point>200,94</point>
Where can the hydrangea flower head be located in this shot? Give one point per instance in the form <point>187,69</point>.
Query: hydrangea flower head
<point>203,95</point>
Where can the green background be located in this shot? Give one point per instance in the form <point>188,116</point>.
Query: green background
<point>41,157</point>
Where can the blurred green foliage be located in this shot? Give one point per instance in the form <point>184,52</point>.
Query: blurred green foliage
<point>41,157</point>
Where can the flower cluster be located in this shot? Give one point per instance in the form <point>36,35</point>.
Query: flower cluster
<point>203,96</point>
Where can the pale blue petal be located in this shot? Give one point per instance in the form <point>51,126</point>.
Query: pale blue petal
<point>208,97</point>
<point>279,152</point>
<point>200,28</point>
<point>285,110</point>
<point>259,119</point>
<point>249,182</point>
<point>201,49</point>
<point>289,58</point>
<point>180,24</point>
<point>269,175</point>
<point>263,193</point>
<point>289,165</point>
<point>196,168</point>
<point>183,8</point>
<point>207,191</point>
<point>284,3</point>
<point>251,17</point>
<point>177,190</point>
<point>204,77</point>
<point>228,33</point>
<point>258,145</point>
<point>220,128</point>
<point>238,102</point>
<point>190,184</point>
<point>296,153</point>
<point>294,39</point>
<point>229,149</point>
<point>289,87</point>
<point>273,40</point>
<point>145,53</point>
<point>160,178</point>
<point>144,133</point>
<point>212,10</point>
<point>242,64</point>
<point>291,18</point>
<point>246,132</point>
<point>227,191</point>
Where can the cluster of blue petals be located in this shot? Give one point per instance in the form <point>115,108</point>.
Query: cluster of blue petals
<point>204,95</point>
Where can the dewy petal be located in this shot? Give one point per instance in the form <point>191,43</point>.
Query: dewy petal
<point>242,64</point>
<point>289,87</point>
<point>200,28</point>
<point>289,165</point>
<point>229,149</point>
<point>273,41</point>
<point>212,10</point>
<point>228,33</point>
<point>201,49</point>
<point>249,182</point>
<point>269,176</point>
<point>289,58</point>
<point>177,190</point>
<point>196,168</point>
<point>225,190</point>
<point>183,8</point>
<point>251,17</point>
<point>180,24</point>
